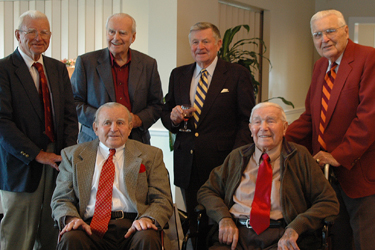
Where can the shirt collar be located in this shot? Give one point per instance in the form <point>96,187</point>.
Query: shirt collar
<point>210,69</point>
<point>104,150</point>
<point>113,62</point>
<point>273,154</point>
<point>28,60</point>
<point>338,61</point>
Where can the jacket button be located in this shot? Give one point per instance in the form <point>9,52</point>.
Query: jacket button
<point>196,134</point>
<point>191,151</point>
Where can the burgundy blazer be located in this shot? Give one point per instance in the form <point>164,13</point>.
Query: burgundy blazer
<point>350,127</point>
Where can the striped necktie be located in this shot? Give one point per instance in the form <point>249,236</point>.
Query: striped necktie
<point>200,95</point>
<point>103,203</point>
<point>329,79</point>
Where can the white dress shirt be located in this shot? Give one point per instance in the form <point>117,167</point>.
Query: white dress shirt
<point>120,202</point>
<point>196,76</point>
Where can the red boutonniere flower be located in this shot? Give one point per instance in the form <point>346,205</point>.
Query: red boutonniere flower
<point>142,168</point>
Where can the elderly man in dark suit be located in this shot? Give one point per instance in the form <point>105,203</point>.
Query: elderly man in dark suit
<point>139,199</point>
<point>220,121</point>
<point>32,133</point>
<point>118,74</point>
<point>339,120</point>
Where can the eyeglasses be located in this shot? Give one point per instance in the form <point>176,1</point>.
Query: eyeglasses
<point>328,32</point>
<point>32,33</point>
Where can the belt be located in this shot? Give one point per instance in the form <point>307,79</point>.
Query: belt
<point>273,223</point>
<point>117,215</point>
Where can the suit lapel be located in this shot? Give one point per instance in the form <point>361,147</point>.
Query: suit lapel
<point>131,170</point>
<point>217,83</point>
<point>135,71</point>
<point>27,82</point>
<point>342,75</point>
<point>184,84</point>
<point>85,166</point>
<point>53,81</point>
<point>105,73</point>
<point>316,109</point>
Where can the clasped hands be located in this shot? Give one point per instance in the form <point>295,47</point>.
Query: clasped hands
<point>74,223</point>
<point>228,234</point>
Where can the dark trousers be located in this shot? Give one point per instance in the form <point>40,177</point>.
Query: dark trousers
<point>190,199</point>
<point>249,240</point>
<point>355,223</point>
<point>113,238</point>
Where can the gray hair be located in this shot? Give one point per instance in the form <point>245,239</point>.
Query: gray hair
<point>203,26</point>
<point>268,104</point>
<point>134,25</point>
<point>324,13</point>
<point>111,105</point>
<point>33,14</point>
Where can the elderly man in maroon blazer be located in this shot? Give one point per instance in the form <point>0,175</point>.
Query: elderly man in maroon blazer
<point>339,123</point>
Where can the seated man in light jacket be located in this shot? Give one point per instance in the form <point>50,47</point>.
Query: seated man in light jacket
<point>138,193</point>
<point>298,197</point>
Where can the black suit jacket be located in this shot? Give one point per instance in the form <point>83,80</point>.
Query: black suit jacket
<point>22,123</point>
<point>93,86</point>
<point>223,123</point>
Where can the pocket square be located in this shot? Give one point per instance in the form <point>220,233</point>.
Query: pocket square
<point>142,168</point>
<point>224,91</point>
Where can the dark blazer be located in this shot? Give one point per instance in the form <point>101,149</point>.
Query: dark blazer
<point>350,127</point>
<point>93,86</point>
<point>148,189</point>
<point>223,123</point>
<point>22,124</point>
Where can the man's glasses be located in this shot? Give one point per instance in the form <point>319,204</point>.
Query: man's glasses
<point>328,32</point>
<point>32,33</point>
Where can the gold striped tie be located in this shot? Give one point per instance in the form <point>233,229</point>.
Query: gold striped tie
<point>200,95</point>
<point>329,79</point>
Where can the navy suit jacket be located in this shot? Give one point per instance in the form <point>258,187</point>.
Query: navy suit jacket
<point>22,134</point>
<point>223,124</point>
<point>93,86</point>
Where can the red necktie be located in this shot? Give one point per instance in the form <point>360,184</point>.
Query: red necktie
<point>261,207</point>
<point>44,93</point>
<point>329,79</point>
<point>103,204</point>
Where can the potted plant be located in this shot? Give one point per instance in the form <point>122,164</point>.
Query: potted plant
<point>246,58</point>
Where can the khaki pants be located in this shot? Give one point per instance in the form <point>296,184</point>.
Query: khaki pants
<point>27,222</point>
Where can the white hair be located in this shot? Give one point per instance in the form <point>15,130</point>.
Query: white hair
<point>134,25</point>
<point>324,13</point>
<point>268,104</point>
<point>33,14</point>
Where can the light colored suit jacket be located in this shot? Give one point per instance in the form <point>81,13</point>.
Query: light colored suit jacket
<point>22,120</point>
<point>350,120</point>
<point>93,85</point>
<point>148,191</point>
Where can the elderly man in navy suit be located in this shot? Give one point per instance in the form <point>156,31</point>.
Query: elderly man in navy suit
<point>118,74</point>
<point>223,113</point>
<point>33,130</point>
